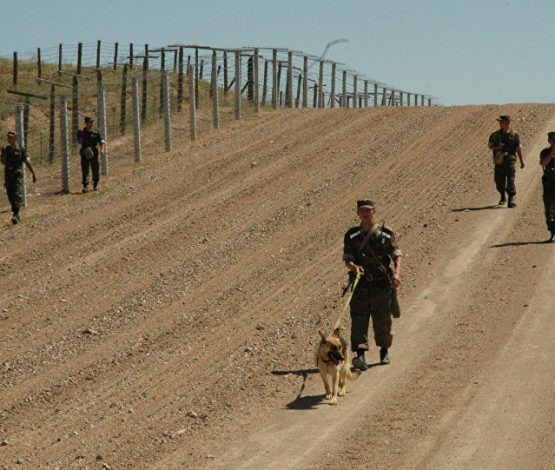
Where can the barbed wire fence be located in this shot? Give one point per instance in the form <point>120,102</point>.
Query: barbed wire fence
<point>179,91</point>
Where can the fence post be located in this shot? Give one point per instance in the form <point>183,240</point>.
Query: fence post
<point>344,102</point>
<point>180,81</point>
<point>355,91</point>
<point>26,110</point>
<point>167,115</point>
<point>60,57</point>
<point>136,121</point>
<point>74,109</point>
<point>116,56</point>
<point>408,99</point>
<point>401,98</point>
<point>315,96</point>
<point>265,83</point>
<point>366,93</point>
<point>175,52</point>
<point>22,137</point>
<point>98,54</point>
<point>332,93</point>
<point>384,96</point>
<point>131,55</point>
<point>196,76</point>
<point>64,144</point>
<point>278,84</point>
<point>145,84</point>
<point>250,79</point>
<point>274,79</point>
<point>162,69</point>
<point>225,74</point>
<point>15,69</point>
<point>429,102</point>
<point>215,103</point>
<point>102,126</point>
<point>289,88</point>
<point>321,85</point>
<point>79,57</point>
<point>299,87</point>
<point>123,102</point>
<point>52,127</point>
<point>422,100</point>
<point>192,102</point>
<point>375,94</point>
<point>255,76</point>
<point>305,81</point>
<point>39,65</point>
<point>237,84</point>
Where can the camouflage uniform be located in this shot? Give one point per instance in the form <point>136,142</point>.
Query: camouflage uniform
<point>91,139</point>
<point>14,166</point>
<point>504,173</point>
<point>374,296</point>
<point>548,182</point>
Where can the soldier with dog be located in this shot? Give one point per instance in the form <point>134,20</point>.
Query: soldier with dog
<point>369,250</point>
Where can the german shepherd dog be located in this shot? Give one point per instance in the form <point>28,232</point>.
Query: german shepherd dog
<point>333,357</point>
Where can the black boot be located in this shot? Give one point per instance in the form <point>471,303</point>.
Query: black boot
<point>502,201</point>
<point>512,202</point>
<point>384,356</point>
<point>551,239</point>
<point>359,362</point>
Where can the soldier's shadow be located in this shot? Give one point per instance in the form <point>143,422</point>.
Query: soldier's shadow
<point>535,242</point>
<point>483,208</point>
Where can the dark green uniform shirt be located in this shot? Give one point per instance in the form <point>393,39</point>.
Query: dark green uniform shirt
<point>510,141</point>
<point>14,159</point>
<point>89,138</point>
<point>548,178</point>
<point>376,255</point>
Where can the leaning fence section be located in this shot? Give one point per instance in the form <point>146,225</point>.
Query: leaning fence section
<point>179,90</point>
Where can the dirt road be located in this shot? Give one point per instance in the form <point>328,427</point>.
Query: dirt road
<point>170,321</point>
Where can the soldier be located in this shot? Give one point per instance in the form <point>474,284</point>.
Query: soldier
<point>547,160</point>
<point>13,158</point>
<point>505,145</point>
<point>89,153</point>
<point>369,250</point>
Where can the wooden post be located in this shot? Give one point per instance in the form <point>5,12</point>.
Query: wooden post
<point>255,76</point>
<point>344,102</point>
<point>60,57</point>
<point>421,100</point>
<point>355,91</point>
<point>226,84</point>
<point>250,79</point>
<point>79,57</point>
<point>201,70</point>
<point>64,144</point>
<point>315,96</point>
<point>278,84</point>
<point>102,126</point>
<point>39,65</point>
<point>180,81</point>
<point>237,84</point>
<point>215,104</point>
<point>136,121</point>
<point>26,111</point>
<point>429,102</point>
<point>145,85</point>
<point>116,56</point>
<point>74,109</point>
<point>375,94</point>
<point>299,87</point>
<point>52,127</point>
<point>265,83</point>
<point>416,99</point>
<point>289,87</point>
<point>131,55</point>
<point>98,43</point>
<point>366,93</point>
<point>15,69</point>
<point>167,115</point>
<point>192,102</point>
<point>384,96</point>
<point>274,79</point>
<point>175,61</point>
<point>332,92</point>
<point>408,99</point>
<point>196,76</point>
<point>401,98</point>
<point>162,69</point>
<point>123,102</point>
<point>321,85</point>
<point>305,81</point>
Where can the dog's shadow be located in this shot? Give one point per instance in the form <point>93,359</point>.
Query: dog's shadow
<point>308,402</point>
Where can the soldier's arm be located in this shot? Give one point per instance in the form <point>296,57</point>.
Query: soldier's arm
<point>30,167</point>
<point>546,159</point>
<point>2,157</point>
<point>493,144</point>
<point>349,256</point>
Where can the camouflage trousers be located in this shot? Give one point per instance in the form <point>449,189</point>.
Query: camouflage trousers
<point>94,165</point>
<point>14,191</point>
<point>374,302</point>
<point>504,177</point>
<point>549,204</point>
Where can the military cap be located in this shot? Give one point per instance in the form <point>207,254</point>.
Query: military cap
<point>12,134</point>
<point>551,136</point>
<point>365,203</point>
<point>504,118</point>
<point>88,119</point>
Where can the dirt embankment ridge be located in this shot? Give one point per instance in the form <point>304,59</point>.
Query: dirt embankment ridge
<point>170,321</point>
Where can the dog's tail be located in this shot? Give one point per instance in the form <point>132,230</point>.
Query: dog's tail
<point>352,375</point>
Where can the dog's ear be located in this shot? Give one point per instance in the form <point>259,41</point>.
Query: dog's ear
<point>337,332</point>
<point>322,335</point>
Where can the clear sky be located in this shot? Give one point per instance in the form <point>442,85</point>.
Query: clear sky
<point>462,52</point>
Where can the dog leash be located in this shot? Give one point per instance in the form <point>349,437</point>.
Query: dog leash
<point>347,302</point>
